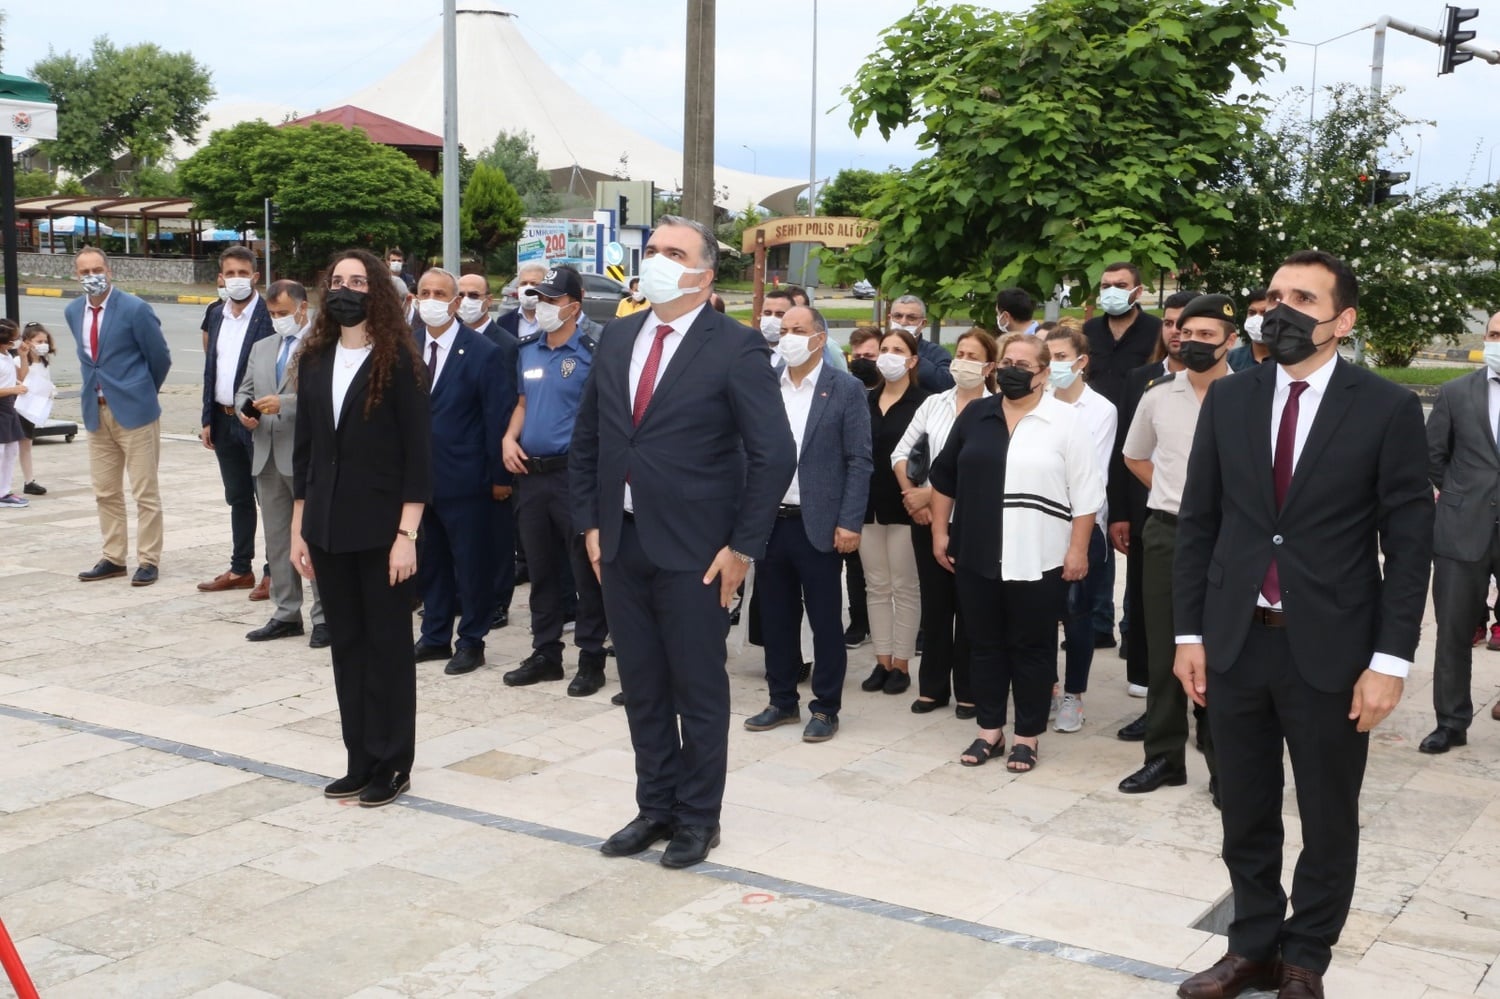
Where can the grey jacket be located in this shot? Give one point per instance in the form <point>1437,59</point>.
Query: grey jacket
<point>273,437</point>
<point>834,466</point>
<point>1463,463</point>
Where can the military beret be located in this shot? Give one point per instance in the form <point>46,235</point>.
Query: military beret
<point>1219,307</point>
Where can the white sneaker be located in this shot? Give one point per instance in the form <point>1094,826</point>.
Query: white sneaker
<point>1069,714</point>
<point>1135,690</point>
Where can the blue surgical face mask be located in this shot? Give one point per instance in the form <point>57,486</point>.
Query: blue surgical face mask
<point>1061,374</point>
<point>1115,301</point>
<point>1492,355</point>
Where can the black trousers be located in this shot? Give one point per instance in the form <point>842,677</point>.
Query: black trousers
<point>233,449</point>
<point>545,527</point>
<point>669,634</point>
<point>1012,628</point>
<point>456,570</point>
<point>374,669</point>
<point>854,573</point>
<point>1137,660</point>
<point>794,574</point>
<point>1166,701</point>
<point>503,523</point>
<point>1254,706</point>
<point>944,671</point>
<point>1460,591</point>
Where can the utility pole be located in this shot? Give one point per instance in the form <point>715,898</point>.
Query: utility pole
<point>450,136</point>
<point>698,115</point>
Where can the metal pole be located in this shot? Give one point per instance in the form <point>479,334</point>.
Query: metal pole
<point>8,220</point>
<point>812,144</point>
<point>1416,177</point>
<point>450,136</point>
<point>267,236</point>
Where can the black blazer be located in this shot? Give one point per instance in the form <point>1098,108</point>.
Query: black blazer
<point>354,480</point>
<point>1359,489</point>
<point>260,327</point>
<point>711,459</point>
<point>1128,494</point>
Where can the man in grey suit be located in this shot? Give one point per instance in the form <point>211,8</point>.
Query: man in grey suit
<point>818,522</point>
<point>270,387</point>
<point>1463,462</point>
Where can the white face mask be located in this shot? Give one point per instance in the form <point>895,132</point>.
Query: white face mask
<point>1492,356</point>
<point>794,349</point>
<point>433,312</point>
<point>223,294</point>
<point>1061,374</point>
<point>892,367</point>
<point>1115,301</point>
<point>470,310</point>
<point>967,374</point>
<point>661,279</point>
<point>770,328</point>
<point>549,316</point>
<point>1252,327</point>
<point>285,325</point>
<point>238,288</point>
<point>915,331</point>
<point>41,349</point>
<point>636,296</point>
<point>527,294</point>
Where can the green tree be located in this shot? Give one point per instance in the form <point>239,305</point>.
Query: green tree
<point>849,193</point>
<point>333,187</point>
<point>490,211</point>
<point>34,184</point>
<point>1421,263</point>
<point>514,154</point>
<point>1057,139</point>
<point>134,100</point>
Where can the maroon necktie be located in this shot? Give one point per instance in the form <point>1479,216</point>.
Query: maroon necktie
<point>432,365</point>
<point>647,384</point>
<point>1281,475</point>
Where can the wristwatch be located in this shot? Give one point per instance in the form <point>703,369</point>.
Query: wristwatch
<point>409,534</point>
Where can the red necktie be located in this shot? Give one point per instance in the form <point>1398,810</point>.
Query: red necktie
<point>1281,475</point>
<point>647,384</point>
<point>94,333</point>
<point>431,365</point>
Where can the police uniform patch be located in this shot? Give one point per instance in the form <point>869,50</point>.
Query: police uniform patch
<point>568,366</point>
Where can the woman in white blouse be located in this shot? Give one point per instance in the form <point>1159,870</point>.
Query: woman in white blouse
<point>945,650</point>
<point>1021,482</point>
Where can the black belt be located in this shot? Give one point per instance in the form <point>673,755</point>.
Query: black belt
<point>553,464</point>
<point>1170,519</point>
<point>786,511</point>
<point>1268,617</point>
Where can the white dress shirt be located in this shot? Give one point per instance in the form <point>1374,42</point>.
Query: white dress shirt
<point>642,350</point>
<point>1101,417</point>
<point>1494,383</point>
<point>232,332</point>
<point>527,325</point>
<point>346,364</point>
<point>444,346</point>
<point>798,400</point>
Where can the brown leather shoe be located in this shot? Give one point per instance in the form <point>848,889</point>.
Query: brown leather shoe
<point>262,589</point>
<point>1300,983</point>
<point>1495,711</point>
<point>1231,975</point>
<point>228,581</point>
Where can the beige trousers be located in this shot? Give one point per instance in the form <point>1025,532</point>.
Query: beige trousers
<point>114,454</point>
<point>893,595</point>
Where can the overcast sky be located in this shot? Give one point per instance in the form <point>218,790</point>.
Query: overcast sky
<point>627,56</point>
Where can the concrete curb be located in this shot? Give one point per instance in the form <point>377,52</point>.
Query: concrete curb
<point>1452,354</point>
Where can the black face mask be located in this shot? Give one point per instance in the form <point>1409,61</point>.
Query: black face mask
<point>1199,356</point>
<point>1015,383</point>
<point>345,306</point>
<point>865,370</point>
<point>1288,335</point>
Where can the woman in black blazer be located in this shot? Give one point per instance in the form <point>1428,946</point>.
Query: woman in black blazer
<point>361,476</point>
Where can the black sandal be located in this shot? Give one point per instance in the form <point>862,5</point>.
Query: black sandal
<point>1022,759</point>
<point>983,751</point>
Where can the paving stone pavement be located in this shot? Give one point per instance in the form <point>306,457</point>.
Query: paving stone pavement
<point>161,831</point>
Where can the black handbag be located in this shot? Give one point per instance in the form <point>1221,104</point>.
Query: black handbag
<point>919,461</point>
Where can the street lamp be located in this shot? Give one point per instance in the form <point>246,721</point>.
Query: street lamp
<point>1312,99</point>
<point>752,157</point>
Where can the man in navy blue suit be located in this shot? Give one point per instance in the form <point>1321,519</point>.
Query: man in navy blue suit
<point>473,390</point>
<point>680,456</point>
<point>817,523</point>
<point>233,328</point>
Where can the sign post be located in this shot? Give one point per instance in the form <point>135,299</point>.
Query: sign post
<point>26,110</point>
<point>827,230</point>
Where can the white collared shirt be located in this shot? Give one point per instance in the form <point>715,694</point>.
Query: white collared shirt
<point>444,346</point>
<point>1051,477</point>
<point>1101,417</point>
<point>1494,383</point>
<point>798,400</point>
<point>232,332</point>
<point>527,325</point>
<point>642,350</point>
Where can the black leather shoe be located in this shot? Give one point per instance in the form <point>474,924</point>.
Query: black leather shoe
<point>590,676</point>
<point>347,786</point>
<point>1134,732</point>
<point>144,576</point>
<point>1443,739</point>
<point>1153,775</point>
<point>103,569</point>
<point>772,717</point>
<point>320,638</point>
<point>921,707</point>
<point>820,727</point>
<point>533,669</point>
<point>855,636</point>
<point>876,680</point>
<point>431,653</point>
<point>1104,640</point>
<point>619,699</point>
<point>965,712</point>
<point>384,790</point>
<point>897,681</point>
<point>1213,792</point>
<point>500,619</point>
<point>640,834</point>
<point>275,629</point>
<point>689,846</point>
<point>466,659</point>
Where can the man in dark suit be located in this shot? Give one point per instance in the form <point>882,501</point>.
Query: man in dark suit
<point>521,321</point>
<point>240,324</point>
<point>1464,466</point>
<point>818,522</point>
<point>473,390</point>
<point>680,456</point>
<point>909,313</point>
<point>1302,473</point>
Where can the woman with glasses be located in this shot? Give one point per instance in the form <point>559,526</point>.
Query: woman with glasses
<point>1020,481</point>
<point>361,477</point>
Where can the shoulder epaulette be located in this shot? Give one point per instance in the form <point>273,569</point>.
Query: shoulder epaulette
<point>1161,379</point>
<point>589,343</point>
<point>533,338</point>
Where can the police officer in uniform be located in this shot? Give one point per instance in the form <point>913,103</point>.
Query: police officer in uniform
<point>553,365</point>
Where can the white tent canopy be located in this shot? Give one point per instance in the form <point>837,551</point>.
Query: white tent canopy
<point>503,85</point>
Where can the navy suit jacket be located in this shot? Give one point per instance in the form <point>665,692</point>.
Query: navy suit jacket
<point>833,469</point>
<point>510,322</point>
<point>133,360</point>
<point>471,406</point>
<point>260,328</point>
<point>933,360</point>
<point>711,459</point>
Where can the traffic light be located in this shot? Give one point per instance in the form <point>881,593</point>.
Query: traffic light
<point>622,214</point>
<point>1453,38</point>
<point>1384,181</point>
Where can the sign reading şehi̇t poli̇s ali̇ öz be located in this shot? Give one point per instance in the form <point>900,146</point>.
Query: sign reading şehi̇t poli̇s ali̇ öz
<point>831,230</point>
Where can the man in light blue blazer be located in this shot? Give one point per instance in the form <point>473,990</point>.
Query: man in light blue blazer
<point>124,360</point>
<point>819,521</point>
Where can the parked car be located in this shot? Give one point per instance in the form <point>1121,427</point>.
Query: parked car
<point>601,297</point>
<point>863,289</point>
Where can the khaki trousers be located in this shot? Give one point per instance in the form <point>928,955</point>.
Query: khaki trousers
<point>114,454</point>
